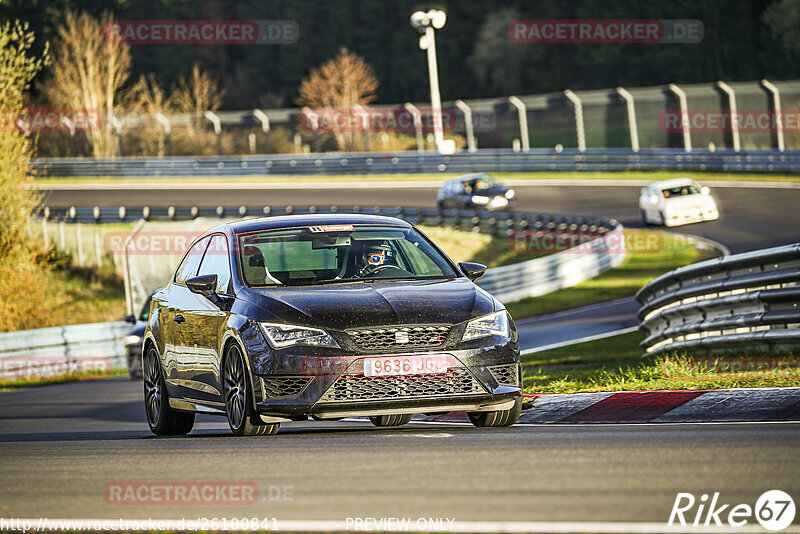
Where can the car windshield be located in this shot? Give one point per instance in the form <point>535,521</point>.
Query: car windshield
<point>338,253</point>
<point>680,191</point>
<point>481,183</point>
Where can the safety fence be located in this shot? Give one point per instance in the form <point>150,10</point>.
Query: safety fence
<point>534,160</point>
<point>601,245</point>
<point>95,348</point>
<point>616,117</point>
<point>743,300</point>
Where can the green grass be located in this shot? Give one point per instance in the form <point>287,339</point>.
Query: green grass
<point>437,177</point>
<point>73,377</point>
<point>480,248</point>
<point>615,364</point>
<point>642,264</point>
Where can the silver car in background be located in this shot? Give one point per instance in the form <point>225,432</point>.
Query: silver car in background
<point>677,201</point>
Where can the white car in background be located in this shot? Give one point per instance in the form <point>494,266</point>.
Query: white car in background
<point>678,201</point>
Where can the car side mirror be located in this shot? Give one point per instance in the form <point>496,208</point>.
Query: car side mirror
<point>472,270</point>
<point>205,285</point>
<point>705,190</point>
<point>130,319</point>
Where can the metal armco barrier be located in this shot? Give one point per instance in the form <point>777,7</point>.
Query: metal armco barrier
<point>508,283</point>
<point>50,352</point>
<point>535,160</point>
<point>748,299</point>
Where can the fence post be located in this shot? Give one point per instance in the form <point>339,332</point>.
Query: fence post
<point>687,135</point>
<point>262,117</point>
<point>98,250</point>
<point>465,109</point>
<point>167,132</point>
<point>211,116</point>
<point>576,101</point>
<point>522,111</point>
<point>44,233</point>
<point>634,130</point>
<point>126,274</point>
<point>62,237</point>
<point>776,106</point>
<point>79,239</point>
<point>727,89</point>
<point>366,123</point>
<point>117,125</point>
<point>417,115</point>
<point>313,119</point>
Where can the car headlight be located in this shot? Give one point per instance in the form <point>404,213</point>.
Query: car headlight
<point>132,340</point>
<point>480,199</point>
<point>494,324</point>
<point>510,194</point>
<point>281,336</point>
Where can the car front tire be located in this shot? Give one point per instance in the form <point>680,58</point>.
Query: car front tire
<point>498,418</point>
<point>161,418</point>
<point>391,420</point>
<point>242,417</point>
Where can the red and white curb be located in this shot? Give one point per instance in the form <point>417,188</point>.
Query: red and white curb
<point>678,406</point>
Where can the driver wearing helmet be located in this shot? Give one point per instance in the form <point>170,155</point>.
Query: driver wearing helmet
<point>373,256</point>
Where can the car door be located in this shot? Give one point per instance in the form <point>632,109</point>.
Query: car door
<point>179,360</point>
<point>200,330</point>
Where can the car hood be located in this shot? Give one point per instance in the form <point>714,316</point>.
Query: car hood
<point>343,306</point>
<point>689,201</point>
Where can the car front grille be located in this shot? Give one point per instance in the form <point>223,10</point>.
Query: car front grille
<point>506,375</point>
<point>394,337</point>
<point>458,381</point>
<point>275,387</point>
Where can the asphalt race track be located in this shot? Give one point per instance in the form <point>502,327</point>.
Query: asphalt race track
<point>751,218</point>
<point>61,446</point>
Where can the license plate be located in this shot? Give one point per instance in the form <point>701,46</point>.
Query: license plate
<point>406,365</point>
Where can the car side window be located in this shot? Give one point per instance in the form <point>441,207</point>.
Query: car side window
<point>217,261</point>
<point>191,261</point>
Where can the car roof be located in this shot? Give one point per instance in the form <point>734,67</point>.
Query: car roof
<point>466,177</point>
<point>314,219</point>
<point>674,182</point>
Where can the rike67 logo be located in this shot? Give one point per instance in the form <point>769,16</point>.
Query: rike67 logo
<point>774,510</point>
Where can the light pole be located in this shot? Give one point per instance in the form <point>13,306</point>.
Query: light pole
<point>425,23</point>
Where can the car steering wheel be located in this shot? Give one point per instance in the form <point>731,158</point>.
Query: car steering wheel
<point>381,268</point>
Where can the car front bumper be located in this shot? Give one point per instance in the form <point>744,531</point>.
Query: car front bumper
<point>477,380</point>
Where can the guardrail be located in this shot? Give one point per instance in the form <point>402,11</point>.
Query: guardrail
<point>741,300</point>
<point>534,160</point>
<point>61,350</point>
<point>508,283</point>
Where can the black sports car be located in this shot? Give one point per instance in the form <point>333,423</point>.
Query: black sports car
<point>475,191</point>
<point>329,316</point>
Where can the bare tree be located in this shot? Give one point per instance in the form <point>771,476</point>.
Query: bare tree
<point>340,84</point>
<point>197,94</point>
<point>148,99</point>
<point>88,71</point>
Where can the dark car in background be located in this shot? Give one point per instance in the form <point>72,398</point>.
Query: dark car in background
<point>133,341</point>
<point>475,191</point>
<point>326,316</point>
